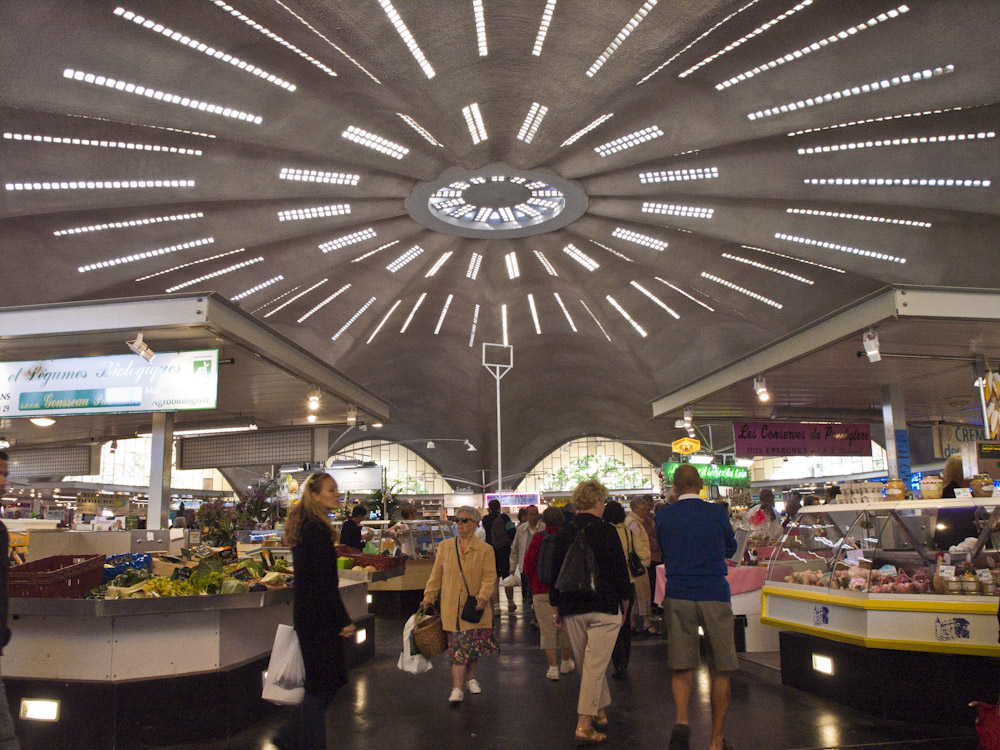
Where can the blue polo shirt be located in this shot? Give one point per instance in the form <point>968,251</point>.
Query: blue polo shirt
<point>696,538</point>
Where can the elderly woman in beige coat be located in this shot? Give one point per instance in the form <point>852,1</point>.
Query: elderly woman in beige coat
<point>464,567</point>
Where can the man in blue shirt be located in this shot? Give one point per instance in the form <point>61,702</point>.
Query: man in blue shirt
<point>696,538</point>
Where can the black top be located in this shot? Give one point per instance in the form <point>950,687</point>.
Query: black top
<point>609,557</point>
<point>319,613</point>
<point>487,522</point>
<point>4,565</point>
<point>350,534</point>
<point>949,489</point>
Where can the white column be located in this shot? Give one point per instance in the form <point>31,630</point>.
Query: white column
<point>160,466</point>
<point>897,443</point>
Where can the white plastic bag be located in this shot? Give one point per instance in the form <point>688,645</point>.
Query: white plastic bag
<point>511,580</point>
<point>285,679</point>
<point>408,662</point>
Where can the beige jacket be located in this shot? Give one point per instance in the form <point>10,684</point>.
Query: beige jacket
<point>639,544</point>
<point>479,564</point>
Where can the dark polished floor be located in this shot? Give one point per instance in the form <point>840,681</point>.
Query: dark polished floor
<point>519,708</point>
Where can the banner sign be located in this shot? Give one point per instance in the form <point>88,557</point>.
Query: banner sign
<point>949,438</point>
<point>173,381</point>
<point>790,439</point>
<point>686,446</point>
<point>513,498</point>
<point>726,476</point>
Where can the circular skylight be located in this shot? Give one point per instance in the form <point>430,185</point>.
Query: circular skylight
<point>496,202</point>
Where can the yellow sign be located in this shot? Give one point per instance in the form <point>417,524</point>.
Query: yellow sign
<point>686,446</point>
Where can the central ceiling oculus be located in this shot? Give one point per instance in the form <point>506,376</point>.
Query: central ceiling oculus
<point>496,202</point>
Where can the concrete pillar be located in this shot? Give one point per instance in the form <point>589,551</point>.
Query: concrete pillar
<point>160,470</point>
<point>321,445</point>
<point>897,442</point>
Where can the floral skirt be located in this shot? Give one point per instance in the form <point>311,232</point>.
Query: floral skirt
<point>468,645</point>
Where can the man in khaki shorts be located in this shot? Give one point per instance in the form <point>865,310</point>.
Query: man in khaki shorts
<point>696,538</point>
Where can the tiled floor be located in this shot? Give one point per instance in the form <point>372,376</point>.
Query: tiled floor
<point>519,708</point>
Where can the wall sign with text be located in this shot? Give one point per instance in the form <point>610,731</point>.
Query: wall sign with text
<point>793,439</point>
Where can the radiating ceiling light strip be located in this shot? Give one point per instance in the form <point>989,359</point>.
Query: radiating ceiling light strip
<point>315,212</point>
<point>475,320</point>
<point>859,217</point>
<point>383,321</point>
<point>161,96</point>
<point>868,121</point>
<point>867,88</point>
<point>376,250</point>
<point>628,141</point>
<point>595,320</point>
<point>613,251</point>
<point>127,224</point>
<point>444,312</point>
<point>416,306</point>
<point>312,175</point>
<point>147,254</point>
<point>503,324</point>
<point>437,264</point>
<point>545,263</point>
<point>912,141</point>
<point>765,267</point>
<point>746,38</point>
<point>681,291</point>
<point>742,290</point>
<point>640,239</point>
<point>531,122</point>
<point>276,299</point>
<point>405,258</point>
<point>810,48</point>
<point>510,259</point>
<point>896,182</point>
<point>580,133</point>
<point>214,274</point>
<point>534,314</point>
<point>271,35</point>
<point>257,288</point>
<point>620,37</point>
<point>101,143</point>
<point>614,303</point>
<point>543,27</point>
<point>303,293</point>
<point>792,257</point>
<point>474,121</point>
<point>354,317</point>
<point>144,125</point>
<point>580,257</point>
<point>477,10</point>
<point>375,142</point>
<point>416,126</point>
<point>691,212</point>
<point>315,31</point>
<point>842,248</point>
<point>656,299</point>
<point>99,185</point>
<point>562,306</point>
<point>325,302</point>
<point>473,270</point>
<point>348,239</point>
<point>203,48</point>
<point>697,39</point>
<point>191,263</point>
<point>407,38</point>
<point>679,175</point>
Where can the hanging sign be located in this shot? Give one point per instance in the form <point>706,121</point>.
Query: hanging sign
<point>725,476</point>
<point>991,397</point>
<point>792,439</point>
<point>686,446</point>
<point>172,381</point>
<point>949,438</point>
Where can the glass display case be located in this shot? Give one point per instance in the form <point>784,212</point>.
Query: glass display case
<point>417,540</point>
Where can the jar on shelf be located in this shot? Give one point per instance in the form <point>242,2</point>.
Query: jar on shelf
<point>895,489</point>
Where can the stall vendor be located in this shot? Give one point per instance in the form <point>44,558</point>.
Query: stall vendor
<point>350,532</point>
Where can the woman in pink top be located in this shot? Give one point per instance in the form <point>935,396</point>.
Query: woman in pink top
<point>551,639</point>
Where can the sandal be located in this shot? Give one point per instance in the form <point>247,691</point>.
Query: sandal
<point>589,736</point>
<point>598,723</point>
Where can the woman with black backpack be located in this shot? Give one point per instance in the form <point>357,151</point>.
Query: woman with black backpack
<point>538,569</point>
<point>589,600</point>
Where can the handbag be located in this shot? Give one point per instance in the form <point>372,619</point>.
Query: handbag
<point>469,612</point>
<point>428,634</point>
<point>635,566</point>
<point>285,679</point>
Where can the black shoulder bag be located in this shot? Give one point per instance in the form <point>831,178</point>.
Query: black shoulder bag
<point>635,566</point>
<point>469,612</point>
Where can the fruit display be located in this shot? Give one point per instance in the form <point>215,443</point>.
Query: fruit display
<point>207,578</point>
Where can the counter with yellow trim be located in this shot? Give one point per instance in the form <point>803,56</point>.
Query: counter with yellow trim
<point>928,623</point>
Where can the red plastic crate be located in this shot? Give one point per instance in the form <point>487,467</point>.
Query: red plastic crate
<point>379,562</point>
<point>56,577</point>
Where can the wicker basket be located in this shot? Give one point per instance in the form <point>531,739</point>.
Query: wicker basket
<point>428,634</point>
<point>57,577</point>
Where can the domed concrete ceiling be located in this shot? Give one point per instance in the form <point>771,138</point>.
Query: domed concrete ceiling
<point>628,193</point>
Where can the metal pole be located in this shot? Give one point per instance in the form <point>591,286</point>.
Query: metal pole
<point>499,449</point>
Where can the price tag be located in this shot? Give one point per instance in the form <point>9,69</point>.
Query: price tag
<point>947,571</point>
<point>983,574</point>
<point>963,492</point>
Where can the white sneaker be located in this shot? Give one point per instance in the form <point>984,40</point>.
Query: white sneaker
<point>567,666</point>
<point>474,687</point>
<point>456,696</point>
<point>552,673</point>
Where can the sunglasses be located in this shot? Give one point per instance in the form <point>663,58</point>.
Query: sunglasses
<point>464,520</point>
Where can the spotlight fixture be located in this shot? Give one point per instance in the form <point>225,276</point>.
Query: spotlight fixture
<point>311,418</point>
<point>352,414</point>
<point>140,347</point>
<point>114,447</point>
<point>377,425</point>
<point>314,399</point>
<point>362,427</point>
<point>469,446</point>
<point>760,388</point>
<point>689,421</point>
<point>42,421</point>
<point>4,443</point>
<point>869,340</point>
<point>430,445</point>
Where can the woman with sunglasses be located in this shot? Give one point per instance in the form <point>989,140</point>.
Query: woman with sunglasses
<point>321,620</point>
<point>464,568</point>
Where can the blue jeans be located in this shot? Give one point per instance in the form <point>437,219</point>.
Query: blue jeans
<point>305,729</point>
<point>8,740</point>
